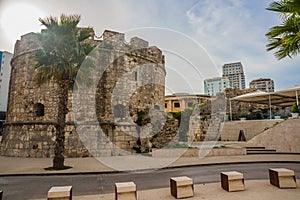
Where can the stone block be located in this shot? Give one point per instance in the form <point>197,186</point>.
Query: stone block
<point>182,187</point>
<point>232,181</point>
<point>282,178</point>
<point>125,191</point>
<point>60,193</point>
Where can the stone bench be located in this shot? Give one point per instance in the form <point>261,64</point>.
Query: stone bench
<point>232,181</point>
<point>60,193</point>
<point>125,191</point>
<point>182,187</point>
<point>282,178</point>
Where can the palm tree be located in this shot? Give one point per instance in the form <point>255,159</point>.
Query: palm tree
<point>285,37</point>
<point>63,47</point>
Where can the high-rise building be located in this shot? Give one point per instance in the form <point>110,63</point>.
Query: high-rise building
<point>5,68</point>
<point>5,58</point>
<point>213,86</point>
<point>235,73</point>
<point>263,84</point>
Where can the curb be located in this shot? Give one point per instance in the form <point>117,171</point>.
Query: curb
<point>229,163</point>
<point>142,170</point>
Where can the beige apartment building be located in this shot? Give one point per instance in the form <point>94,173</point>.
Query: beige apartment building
<point>263,84</point>
<point>180,101</point>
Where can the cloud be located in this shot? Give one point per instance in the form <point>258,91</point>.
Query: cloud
<point>233,30</point>
<point>225,28</point>
<point>229,30</point>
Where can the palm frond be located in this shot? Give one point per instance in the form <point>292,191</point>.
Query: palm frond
<point>285,37</point>
<point>64,47</point>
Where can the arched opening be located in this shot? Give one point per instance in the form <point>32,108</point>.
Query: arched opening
<point>119,111</point>
<point>156,107</point>
<point>39,110</point>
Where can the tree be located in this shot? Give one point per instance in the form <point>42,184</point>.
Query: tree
<point>63,47</point>
<point>285,37</point>
<point>295,108</point>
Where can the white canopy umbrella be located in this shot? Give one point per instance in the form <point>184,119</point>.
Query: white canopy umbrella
<point>290,93</point>
<point>282,98</point>
<point>259,97</point>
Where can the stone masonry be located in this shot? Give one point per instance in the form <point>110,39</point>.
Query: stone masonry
<point>133,79</point>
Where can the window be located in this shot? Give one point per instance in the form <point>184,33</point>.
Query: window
<point>119,111</point>
<point>166,105</point>
<point>190,104</point>
<point>135,76</point>
<point>39,110</point>
<point>176,105</point>
<point>156,107</point>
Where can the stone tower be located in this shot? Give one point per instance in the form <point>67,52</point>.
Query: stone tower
<point>133,79</point>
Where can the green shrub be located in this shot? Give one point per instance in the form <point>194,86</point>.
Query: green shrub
<point>295,108</point>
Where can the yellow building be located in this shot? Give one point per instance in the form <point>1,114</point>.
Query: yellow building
<point>179,101</point>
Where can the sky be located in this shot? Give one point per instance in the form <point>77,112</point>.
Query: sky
<point>197,36</point>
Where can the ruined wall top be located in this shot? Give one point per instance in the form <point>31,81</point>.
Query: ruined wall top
<point>136,42</point>
<point>108,33</point>
<point>138,47</point>
<point>27,44</point>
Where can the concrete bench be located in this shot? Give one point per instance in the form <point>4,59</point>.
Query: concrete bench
<point>60,193</point>
<point>125,191</point>
<point>232,181</point>
<point>282,178</point>
<point>182,187</point>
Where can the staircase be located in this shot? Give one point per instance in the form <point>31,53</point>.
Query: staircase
<point>259,150</point>
<point>284,137</point>
<point>213,131</point>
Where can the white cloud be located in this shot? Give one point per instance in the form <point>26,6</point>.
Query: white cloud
<point>13,26</point>
<point>232,31</point>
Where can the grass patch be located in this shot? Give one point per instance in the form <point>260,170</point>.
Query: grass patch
<point>52,169</point>
<point>184,146</point>
<point>219,147</point>
<point>146,154</point>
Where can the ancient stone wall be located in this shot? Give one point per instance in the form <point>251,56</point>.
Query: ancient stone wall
<point>133,80</point>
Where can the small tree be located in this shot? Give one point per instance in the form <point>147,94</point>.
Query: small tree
<point>295,108</point>
<point>63,48</point>
<point>141,120</point>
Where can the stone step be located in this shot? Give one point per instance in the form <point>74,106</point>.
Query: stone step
<point>268,150</point>
<point>250,148</point>
<point>261,151</point>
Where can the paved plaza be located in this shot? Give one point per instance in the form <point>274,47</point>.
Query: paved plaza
<point>255,189</point>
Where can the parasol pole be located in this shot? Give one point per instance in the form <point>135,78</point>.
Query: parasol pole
<point>230,109</point>
<point>297,98</point>
<point>270,106</point>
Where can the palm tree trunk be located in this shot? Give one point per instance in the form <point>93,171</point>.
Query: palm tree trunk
<point>58,160</point>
